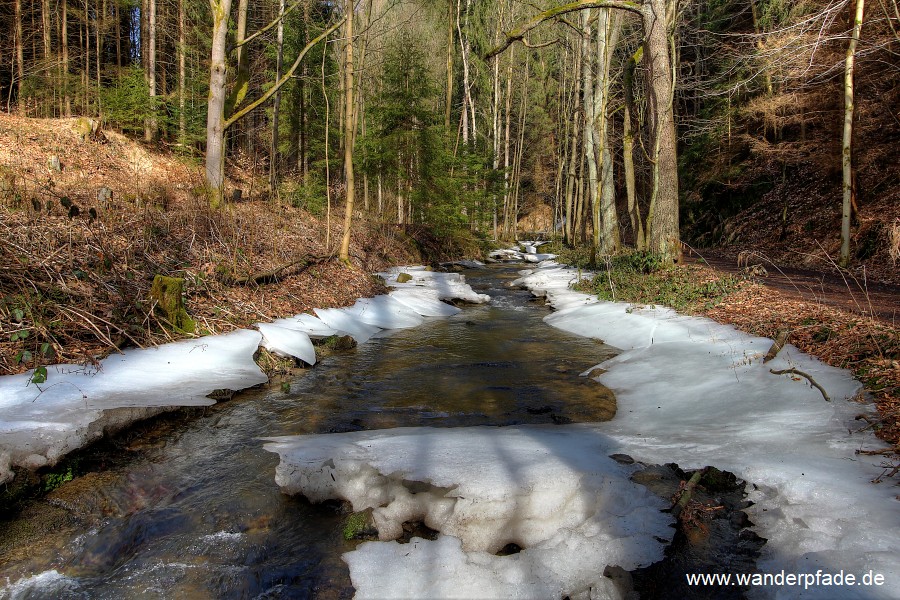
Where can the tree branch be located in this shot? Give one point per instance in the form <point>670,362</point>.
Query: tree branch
<point>287,11</point>
<point>284,79</point>
<point>521,31</point>
<point>802,374</point>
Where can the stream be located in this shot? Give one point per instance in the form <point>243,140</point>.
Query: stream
<point>187,506</point>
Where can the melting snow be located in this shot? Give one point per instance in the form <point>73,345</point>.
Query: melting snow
<point>551,490</point>
<point>689,390</point>
<point>76,405</point>
<point>449,286</point>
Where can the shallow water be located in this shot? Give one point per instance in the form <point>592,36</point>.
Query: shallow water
<point>193,511</point>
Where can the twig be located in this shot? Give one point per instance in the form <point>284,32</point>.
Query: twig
<point>809,377</point>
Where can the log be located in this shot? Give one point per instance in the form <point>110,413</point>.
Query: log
<point>273,275</point>
<point>777,345</point>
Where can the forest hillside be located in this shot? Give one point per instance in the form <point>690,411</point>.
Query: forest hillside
<point>87,224</point>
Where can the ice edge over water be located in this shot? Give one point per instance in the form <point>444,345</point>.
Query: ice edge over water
<point>77,404</point>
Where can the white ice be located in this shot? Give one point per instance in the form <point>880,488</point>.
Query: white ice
<point>696,392</point>
<point>449,286</point>
<point>385,312</point>
<point>308,324</point>
<point>287,342</point>
<point>346,323</point>
<point>424,301</point>
<point>39,424</point>
<point>689,390</point>
<point>552,490</point>
<point>77,405</point>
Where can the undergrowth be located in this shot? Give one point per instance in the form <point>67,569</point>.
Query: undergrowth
<point>645,278</point>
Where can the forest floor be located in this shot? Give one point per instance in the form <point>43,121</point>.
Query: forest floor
<point>86,225</point>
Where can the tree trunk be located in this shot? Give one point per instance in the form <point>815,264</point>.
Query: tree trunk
<point>449,92</point>
<point>663,230</point>
<point>634,212</point>
<point>242,78</point>
<point>847,146</point>
<point>20,56</point>
<point>64,36</point>
<point>150,129</point>
<point>608,27</point>
<point>572,169</point>
<point>276,105</point>
<point>508,117</point>
<point>215,118</point>
<point>45,31</point>
<point>349,95</point>
<point>590,114</point>
<point>182,76</point>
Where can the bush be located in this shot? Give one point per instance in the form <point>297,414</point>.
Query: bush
<point>308,195</point>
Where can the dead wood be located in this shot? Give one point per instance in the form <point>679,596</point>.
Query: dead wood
<point>809,378</point>
<point>777,345</point>
<point>291,268</point>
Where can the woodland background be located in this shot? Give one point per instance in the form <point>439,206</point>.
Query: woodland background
<point>444,137</point>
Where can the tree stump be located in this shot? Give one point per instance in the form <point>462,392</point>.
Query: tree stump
<point>166,292</point>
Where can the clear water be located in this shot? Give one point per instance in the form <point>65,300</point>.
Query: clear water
<point>192,509</point>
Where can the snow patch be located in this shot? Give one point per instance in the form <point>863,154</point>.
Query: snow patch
<point>39,424</point>
<point>287,342</point>
<point>449,286</point>
<point>695,392</point>
<point>551,490</point>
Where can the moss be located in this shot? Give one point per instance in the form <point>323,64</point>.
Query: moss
<point>404,277</point>
<point>359,526</point>
<point>336,343</point>
<point>167,293</point>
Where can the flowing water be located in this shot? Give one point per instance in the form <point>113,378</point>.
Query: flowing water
<point>190,508</point>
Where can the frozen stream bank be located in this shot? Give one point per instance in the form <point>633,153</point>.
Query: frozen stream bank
<point>689,391</point>
<point>196,512</point>
<point>190,507</point>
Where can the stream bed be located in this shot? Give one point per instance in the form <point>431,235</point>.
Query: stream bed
<point>187,506</point>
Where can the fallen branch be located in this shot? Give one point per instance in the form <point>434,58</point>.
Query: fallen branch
<point>802,374</point>
<point>777,345</point>
<point>686,491</point>
<point>884,452</point>
<point>275,274</point>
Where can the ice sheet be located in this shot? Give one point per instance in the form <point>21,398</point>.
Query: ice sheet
<point>77,405</point>
<point>308,324</point>
<point>40,424</point>
<point>346,323</point>
<point>287,342</point>
<point>552,490</point>
<point>449,286</point>
<point>424,301</point>
<point>385,312</point>
<point>696,392</point>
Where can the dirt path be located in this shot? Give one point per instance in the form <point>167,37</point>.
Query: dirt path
<point>881,301</point>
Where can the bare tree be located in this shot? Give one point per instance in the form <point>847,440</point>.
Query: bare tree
<point>847,147</point>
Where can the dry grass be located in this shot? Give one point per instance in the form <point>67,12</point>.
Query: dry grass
<point>75,287</point>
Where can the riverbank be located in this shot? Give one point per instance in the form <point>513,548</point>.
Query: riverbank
<point>860,341</point>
